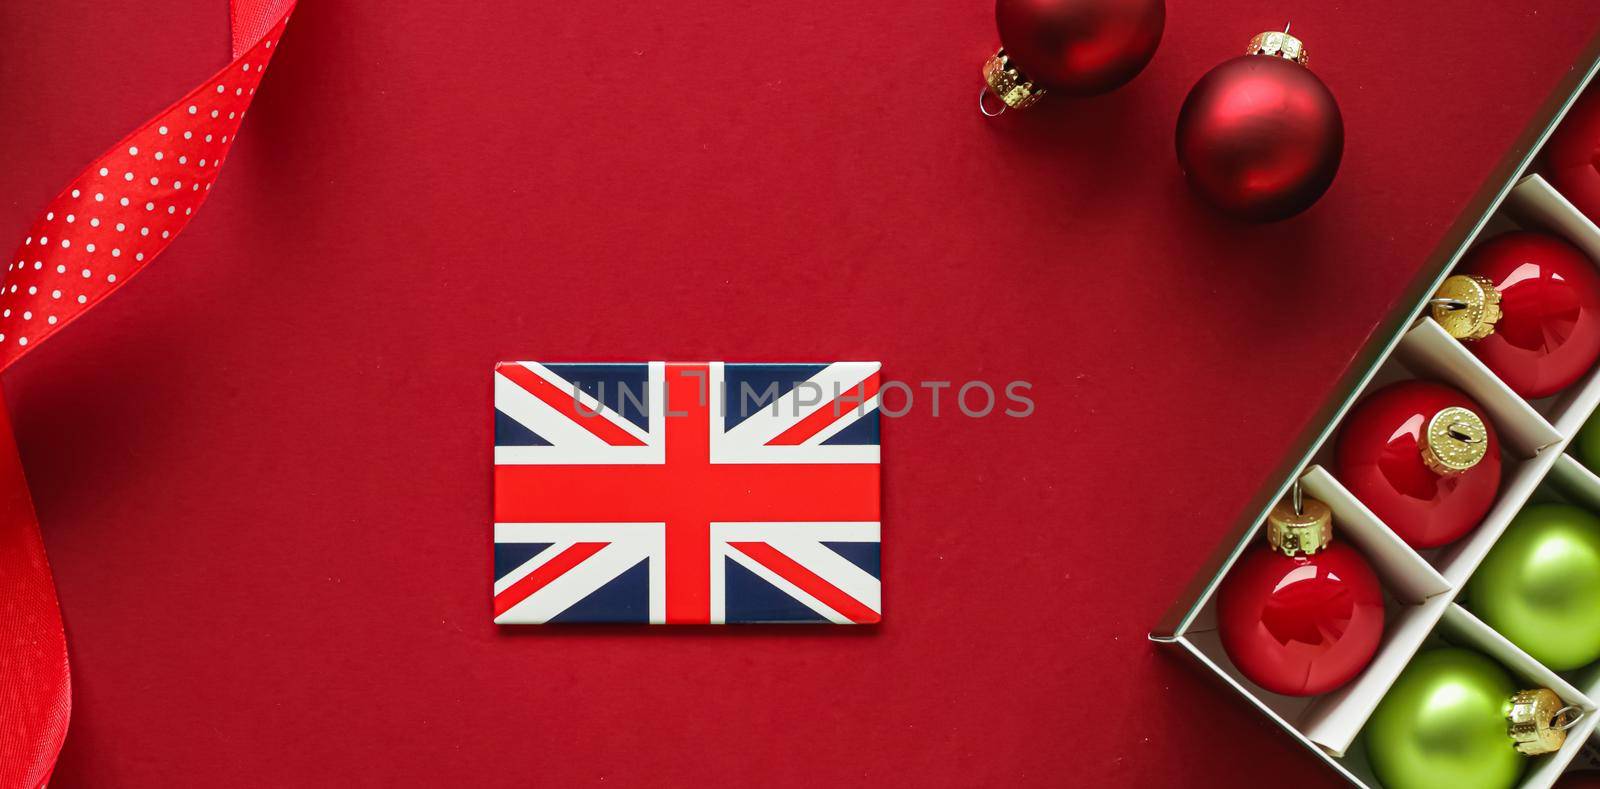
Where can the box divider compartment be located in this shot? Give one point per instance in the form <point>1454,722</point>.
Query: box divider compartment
<point>1460,627</point>
<point>1416,596</point>
<point>1536,204</point>
<point>1573,483</point>
<point>1576,483</point>
<point>1431,353</point>
<point>1228,676</point>
<point>1333,720</point>
<point>1421,588</point>
<point>1529,442</point>
<point>1404,572</point>
<point>1520,481</point>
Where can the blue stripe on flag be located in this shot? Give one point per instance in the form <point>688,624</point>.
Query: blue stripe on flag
<point>509,432</point>
<point>865,555</point>
<point>621,388</point>
<point>751,599</point>
<point>625,599</point>
<point>751,386</point>
<point>863,431</point>
<point>509,556</point>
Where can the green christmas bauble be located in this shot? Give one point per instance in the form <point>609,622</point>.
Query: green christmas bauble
<point>1586,445</point>
<point>1539,586</point>
<point>1443,724</point>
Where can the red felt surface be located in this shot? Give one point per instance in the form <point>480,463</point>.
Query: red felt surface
<point>263,468</point>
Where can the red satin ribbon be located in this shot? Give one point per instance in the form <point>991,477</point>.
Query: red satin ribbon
<point>105,227</point>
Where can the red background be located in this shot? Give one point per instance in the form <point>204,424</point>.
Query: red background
<point>262,469</point>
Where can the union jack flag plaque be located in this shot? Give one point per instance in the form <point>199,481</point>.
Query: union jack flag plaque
<point>686,493</point>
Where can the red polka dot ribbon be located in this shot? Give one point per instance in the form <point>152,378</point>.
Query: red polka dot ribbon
<point>105,227</point>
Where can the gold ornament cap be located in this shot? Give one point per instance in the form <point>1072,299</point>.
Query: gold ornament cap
<point>1008,84</point>
<point>1278,44</point>
<point>1455,440</point>
<point>1537,721</point>
<point>1307,531</point>
<point>1467,306</point>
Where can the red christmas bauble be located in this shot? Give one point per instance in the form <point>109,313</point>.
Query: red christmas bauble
<point>1572,156</point>
<point>1579,779</point>
<point>1260,137</point>
<point>1080,47</point>
<point>1300,625</point>
<point>1548,335</point>
<point>1423,459</point>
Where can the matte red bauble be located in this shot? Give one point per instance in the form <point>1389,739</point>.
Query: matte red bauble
<point>1300,616</point>
<point>1075,47</point>
<point>1571,159</point>
<point>1260,137</point>
<point>1423,459</point>
<point>1528,305</point>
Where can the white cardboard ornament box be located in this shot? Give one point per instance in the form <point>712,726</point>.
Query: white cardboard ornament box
<point>1421,588</point>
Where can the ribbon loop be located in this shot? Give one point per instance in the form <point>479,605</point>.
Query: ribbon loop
<point>105,227</point>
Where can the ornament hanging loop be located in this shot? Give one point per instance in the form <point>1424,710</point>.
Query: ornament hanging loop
<point>1569,716</point>
<point>983,104</point>
<point>1454,440</point>
<point>1537,721</point>
<point>1300,525</point>
<point>1463,432</point>
<point>1466,306</point>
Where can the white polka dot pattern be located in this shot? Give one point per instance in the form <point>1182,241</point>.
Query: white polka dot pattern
<point>126,207</point>
<point>110,221</point>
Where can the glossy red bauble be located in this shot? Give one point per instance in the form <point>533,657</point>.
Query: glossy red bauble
<point>1260,138</point>
<point>1571,159</point>
<point>1379,458</point>
<point>1080,47</point>
<point>1549,332</point>
<point>1304,625</point>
